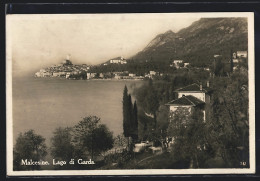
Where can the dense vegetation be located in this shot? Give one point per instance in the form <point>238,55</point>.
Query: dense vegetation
<point>86,140</point>
<point>221,141</point>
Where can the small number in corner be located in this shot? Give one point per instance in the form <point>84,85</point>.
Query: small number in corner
<point>243,163</point>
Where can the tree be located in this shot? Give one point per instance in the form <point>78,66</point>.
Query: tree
<point>91,136</point>
<point>218,67</point>
<point>61,144</point>
<point>229,124</point>
<point>171,92</point>
<point>120,141</point>
<point>83,75</point>
<point>135,122</point>
<point>140,94</point>
<point>130,113</point>
<point>151,102</point>
<point>188,130</point>
<point>126,113</point>
<point>99,140</point>
<point>163,120</point>
<point>29,146</point>
<point>130,119</point>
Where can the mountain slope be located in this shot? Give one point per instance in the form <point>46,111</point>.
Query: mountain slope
<point>161,39</point>
<point>198,42</point>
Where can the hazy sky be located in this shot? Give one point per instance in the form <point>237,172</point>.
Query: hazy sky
<point>42,40</point>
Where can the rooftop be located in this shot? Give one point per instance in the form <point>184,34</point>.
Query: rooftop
<point>186,101</point>
<point>117,58</point>
<point>193,88</point>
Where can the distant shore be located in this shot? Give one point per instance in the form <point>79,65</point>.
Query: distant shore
<point>62,78</point>
<point>114,79</point>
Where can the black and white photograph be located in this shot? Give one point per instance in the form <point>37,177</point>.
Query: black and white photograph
<point>130,93</point>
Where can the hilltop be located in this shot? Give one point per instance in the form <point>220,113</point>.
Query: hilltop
<point>198,42</point>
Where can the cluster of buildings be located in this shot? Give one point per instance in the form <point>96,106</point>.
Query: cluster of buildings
<point>237,57</point>
<point>67,70</point>
<point>126,75</point>
<point>240,54</point>
<point>123,75</point>
<point>179,64</point>
<point>197,96</point>
<point>64,69</point>
<point>152,74</point>
<point>117,60</point>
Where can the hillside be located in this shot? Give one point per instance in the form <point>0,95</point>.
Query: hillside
<point>198,42</point>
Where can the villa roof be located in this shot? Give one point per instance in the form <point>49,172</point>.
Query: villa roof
<point>186,101</point>
<point>117,58</point>
<point>193,88</point>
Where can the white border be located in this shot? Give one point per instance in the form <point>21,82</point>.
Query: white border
<point>251,76</point>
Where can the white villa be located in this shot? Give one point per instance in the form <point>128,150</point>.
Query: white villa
<point>190,97</point>
<point>176,63</point>
<point>118,60</point>
<point>152,73</point>
<point>238,56</point>
<point>132,75</point>
<point>186,64</point>
<point>242,54</point>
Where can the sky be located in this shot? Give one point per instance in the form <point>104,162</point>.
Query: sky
<point>38,41</point>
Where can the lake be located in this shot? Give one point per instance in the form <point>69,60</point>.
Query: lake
<point>43,104</point>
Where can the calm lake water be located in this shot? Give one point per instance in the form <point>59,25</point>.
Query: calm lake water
<point>43,104</point>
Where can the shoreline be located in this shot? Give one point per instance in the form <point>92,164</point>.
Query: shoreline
<point>60,78</point>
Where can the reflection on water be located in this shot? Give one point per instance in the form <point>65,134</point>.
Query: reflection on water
<point>45,104</point>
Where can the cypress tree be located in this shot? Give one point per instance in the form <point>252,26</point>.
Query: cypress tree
<point>126,120</point>
<point>130,120</point>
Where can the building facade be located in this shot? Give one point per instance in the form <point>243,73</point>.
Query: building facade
<point>191,97</point>
<point>118,60</point>
<point>242,54</point>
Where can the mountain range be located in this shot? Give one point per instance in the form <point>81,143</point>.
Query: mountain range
<point>198,43</point>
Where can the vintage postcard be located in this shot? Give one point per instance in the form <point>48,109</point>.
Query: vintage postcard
<point>130,94</point>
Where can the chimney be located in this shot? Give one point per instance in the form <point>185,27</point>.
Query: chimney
<point>207,83</point>
<point>200,86</point>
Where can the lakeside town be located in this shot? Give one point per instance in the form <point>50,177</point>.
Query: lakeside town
<point>69,71</point>
<point>66,69</point>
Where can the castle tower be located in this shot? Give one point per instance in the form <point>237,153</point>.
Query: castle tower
<point>68,57</point>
